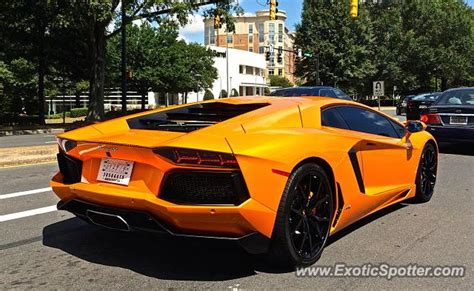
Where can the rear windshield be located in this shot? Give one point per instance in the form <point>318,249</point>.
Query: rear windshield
<point>296,92</point>
<point>457,97</point>
<point>426,97</point>
<point>191,117</point>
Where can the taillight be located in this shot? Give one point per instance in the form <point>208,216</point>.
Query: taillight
<point>431,119</point>
<point>192,157</point>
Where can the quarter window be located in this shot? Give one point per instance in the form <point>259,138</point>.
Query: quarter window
<point>330,117</point>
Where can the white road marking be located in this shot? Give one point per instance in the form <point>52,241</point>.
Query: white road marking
<point>27,213</point>
<point>23,193</point>
<point>53,141</point>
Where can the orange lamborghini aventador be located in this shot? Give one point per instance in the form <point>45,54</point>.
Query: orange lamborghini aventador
<point>277,175</point>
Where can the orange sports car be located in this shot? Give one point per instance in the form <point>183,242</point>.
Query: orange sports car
<point>277,175</point>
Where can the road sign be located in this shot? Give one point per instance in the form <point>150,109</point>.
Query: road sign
<point>308,54</point>
<point>379,88</point>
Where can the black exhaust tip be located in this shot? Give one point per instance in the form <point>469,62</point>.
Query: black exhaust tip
<point>107,220</point>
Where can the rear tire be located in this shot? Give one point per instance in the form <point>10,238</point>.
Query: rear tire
<point>303,219</point>
<point>426,174</point>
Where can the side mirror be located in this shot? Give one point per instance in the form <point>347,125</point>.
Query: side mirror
<point>414,126</point>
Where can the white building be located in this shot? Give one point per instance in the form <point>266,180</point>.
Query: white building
<point>246,74</point>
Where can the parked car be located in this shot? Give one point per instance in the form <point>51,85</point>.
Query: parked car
<point>324,91</point>
<point>451,118</point>
<point>420,102</point>
<point>402,104</point>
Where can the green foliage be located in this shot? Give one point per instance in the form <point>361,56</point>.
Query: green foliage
<point>280,81</point>
<point>208,95</point>
<point>234,93</point>
<point>160,62</point>
<point>409,44</point>
<point>343,43</point>
<point>78,112</point>
<point>223,94</point>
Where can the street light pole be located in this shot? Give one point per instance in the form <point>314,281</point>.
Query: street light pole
<point>124,58</point>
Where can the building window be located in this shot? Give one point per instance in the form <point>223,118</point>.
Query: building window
<point>249,70</point>
<point>280,72</point>
<point>251,49</point>
<point>271,72</point>
<point>250,38</point>
<point>241,69</point>
<point>280,32</point>
<point>229,39</point>
<point>206,35</point>
<point>271,32</point>
<point>250,28</point>
<point>261,33</point>
<point>261,49</point>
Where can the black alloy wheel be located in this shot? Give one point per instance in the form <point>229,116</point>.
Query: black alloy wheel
<point>304,217</point>
<point>427,171</point>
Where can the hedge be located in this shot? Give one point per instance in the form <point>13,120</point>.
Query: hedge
<point>78,112</point>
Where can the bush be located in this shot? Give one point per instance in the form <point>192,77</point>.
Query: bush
<point>234,93</point>
<point>208,95</point>
<point>223,94</point>
<point>78,112</point>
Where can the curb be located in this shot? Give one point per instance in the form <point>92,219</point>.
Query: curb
<point>11,132</point>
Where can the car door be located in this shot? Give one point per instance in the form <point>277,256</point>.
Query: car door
<point>384,148</point>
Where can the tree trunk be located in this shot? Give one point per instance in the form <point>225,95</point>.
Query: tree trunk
<point>78,99</point>
<point>41,71</point>
<point>444,84</point>
<point>97,49</point>
<point>143,100</point>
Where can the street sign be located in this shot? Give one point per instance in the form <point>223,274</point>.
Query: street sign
<point>379,88</point>
<point>308,54</point>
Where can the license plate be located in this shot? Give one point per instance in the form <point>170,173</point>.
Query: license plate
<point>460,120</point>
<point>115,171</point>
<point>423,107</point>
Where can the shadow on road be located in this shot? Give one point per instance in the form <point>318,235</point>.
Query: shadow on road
<point>164,257</point>
<point>456,149</point>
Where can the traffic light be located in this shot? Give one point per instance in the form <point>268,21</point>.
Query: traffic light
<point>217,21</point>
<point>354,8</point>
<point>267,56</point>
<point>273,9</point>
<point>280,53</point>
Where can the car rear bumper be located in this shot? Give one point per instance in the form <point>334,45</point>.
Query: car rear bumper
<point>452,134</point>
<point>132,220</point>
<point>240,223</point>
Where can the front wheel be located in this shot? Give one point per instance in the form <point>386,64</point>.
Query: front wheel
<point>426,175</point>
<point>304,217</point>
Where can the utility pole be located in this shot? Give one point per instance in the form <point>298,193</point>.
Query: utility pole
<point>124,58</point>
<point>227,61</point>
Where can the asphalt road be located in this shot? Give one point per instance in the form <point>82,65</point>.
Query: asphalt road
<point>27,140</point>
<point>54,250</point>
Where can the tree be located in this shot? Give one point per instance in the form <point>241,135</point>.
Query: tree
<point>234,93</point>
<point>161,63</point>
<point>342,44</point>
<point>223,94</point>
<point>95,19</point>
<point>280,81</point>
<point>208,95</point>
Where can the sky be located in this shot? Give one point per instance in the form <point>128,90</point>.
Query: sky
<point>194,32</point>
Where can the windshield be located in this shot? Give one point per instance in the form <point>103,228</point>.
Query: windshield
<point>427,97</point>
<point>457,97</point>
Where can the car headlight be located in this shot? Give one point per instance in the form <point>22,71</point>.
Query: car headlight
<point>66,145</point>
